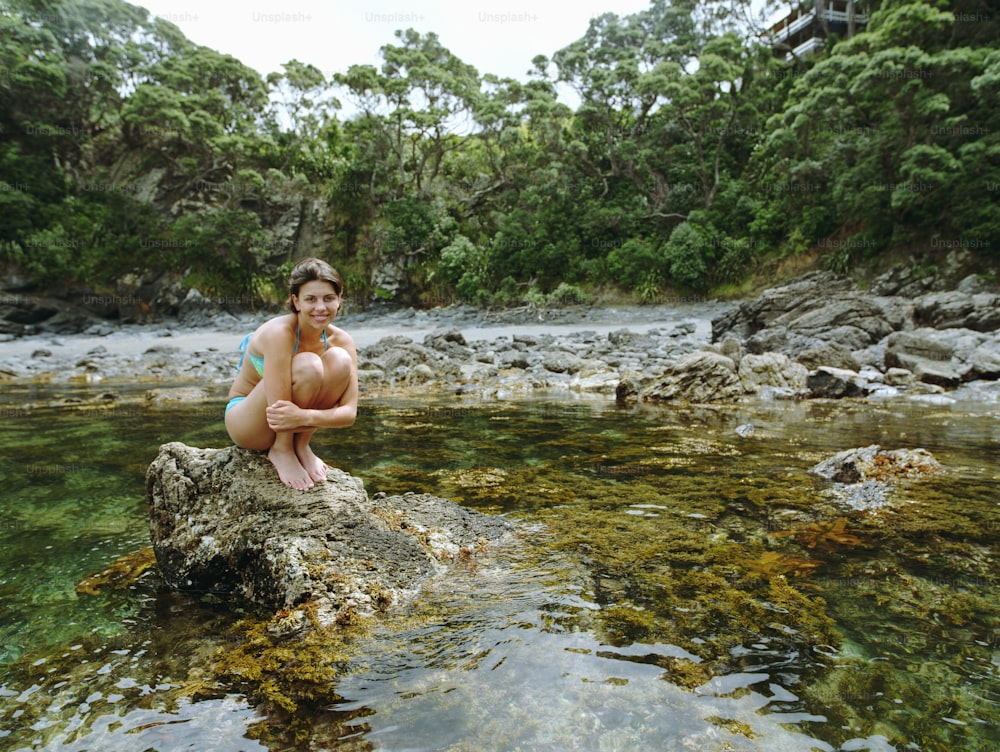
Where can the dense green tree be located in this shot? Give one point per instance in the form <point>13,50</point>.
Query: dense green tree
<point>412,105</point>
<point>306,133</point>
<point>892,133</point>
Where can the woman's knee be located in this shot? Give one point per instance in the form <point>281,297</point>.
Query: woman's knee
<point>337,361</point>
<point>307,372</point>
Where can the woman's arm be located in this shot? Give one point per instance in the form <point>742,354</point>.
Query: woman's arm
<point>275,343</point>
<point>285,415</point>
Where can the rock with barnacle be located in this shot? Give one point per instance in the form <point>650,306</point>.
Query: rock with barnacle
<point>222,522</point>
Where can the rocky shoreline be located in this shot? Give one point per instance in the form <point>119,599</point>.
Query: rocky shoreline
<point>816,337</point>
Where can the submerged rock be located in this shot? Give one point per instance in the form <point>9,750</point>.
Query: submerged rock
<point>865,477</point>
<point>874,463</point>
<point>222,522</point>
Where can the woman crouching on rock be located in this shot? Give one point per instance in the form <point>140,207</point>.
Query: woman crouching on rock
<point>297,372</point>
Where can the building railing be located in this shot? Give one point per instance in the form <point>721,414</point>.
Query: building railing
<point>810,45</point>
<point>802,19</point>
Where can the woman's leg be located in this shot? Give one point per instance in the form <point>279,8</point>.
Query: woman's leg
<point>326,385</point>
<point>246,421</point>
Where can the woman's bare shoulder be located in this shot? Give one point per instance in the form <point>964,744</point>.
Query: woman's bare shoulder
<point>276,332</point>
<point>339,338</point>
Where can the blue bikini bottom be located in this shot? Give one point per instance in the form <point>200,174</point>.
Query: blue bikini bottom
<point>233,401</point>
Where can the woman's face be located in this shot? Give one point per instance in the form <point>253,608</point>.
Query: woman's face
<point>317,301</point>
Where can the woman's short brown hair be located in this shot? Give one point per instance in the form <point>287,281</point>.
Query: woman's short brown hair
<point>310,270</point>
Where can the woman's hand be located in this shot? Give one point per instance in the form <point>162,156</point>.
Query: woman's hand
<point>285,415</point>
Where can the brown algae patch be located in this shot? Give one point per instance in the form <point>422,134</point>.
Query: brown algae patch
<point>122,573</point>
<point>665,580</point>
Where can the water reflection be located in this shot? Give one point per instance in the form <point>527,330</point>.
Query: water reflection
<point>678,585</point>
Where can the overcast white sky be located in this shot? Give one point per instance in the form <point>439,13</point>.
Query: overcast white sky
<point>496,36</point>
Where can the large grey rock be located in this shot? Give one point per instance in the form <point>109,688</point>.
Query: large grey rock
<point>826,381</point>
<point>29,314</point>
<point>452,343</point>
<point>906,280</point>
<point>916,344</point>
<point>698,377</point>
<point>752,316</point>
<point>771,369</point>
<point>975,283</point>
<point>983,362</point>
<point>958,310</point>
<point>818,308</point>
<point>625,339</point>
<point>829,354</point>
<point>562,362</point>
<point>923,353</point>
<point>853,320</point>
<point>222,522</point>
<point>198,311</point>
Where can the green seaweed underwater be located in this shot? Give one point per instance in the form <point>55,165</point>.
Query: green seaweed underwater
<point>672,583</point>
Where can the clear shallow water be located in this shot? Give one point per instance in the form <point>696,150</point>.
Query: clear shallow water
<point>677,586</point>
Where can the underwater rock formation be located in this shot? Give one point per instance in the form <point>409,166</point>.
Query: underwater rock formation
<point>867,475</point>
<point>222,522</point>
<point>874,463</point>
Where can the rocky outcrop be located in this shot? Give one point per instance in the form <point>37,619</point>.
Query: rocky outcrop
<point>958,310</point>
<point>197,311</point>
<point>23,314</point>
<point>582,361</point>
<point>827,381</point>
<point>832,354</point>
<point>937,338</point>
<point>821,307</point>
<point>771,369</point>
<point>222,522</point>
<point>818,336</point>
<point>923,354</point>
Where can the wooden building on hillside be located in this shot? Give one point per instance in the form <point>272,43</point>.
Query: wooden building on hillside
<point>806,28</point>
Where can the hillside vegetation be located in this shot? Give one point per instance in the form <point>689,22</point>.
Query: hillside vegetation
<point>696,158</point>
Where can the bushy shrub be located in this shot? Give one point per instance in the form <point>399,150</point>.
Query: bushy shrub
<point>457,257</point>
<point>632,263</point>
<point>687,254</point>
<point>567,294</point>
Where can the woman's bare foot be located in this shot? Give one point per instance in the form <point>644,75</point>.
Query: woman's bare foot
<point>313,465</point>
<point>290,470</point>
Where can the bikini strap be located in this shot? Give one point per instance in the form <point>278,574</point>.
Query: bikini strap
<point>298,335</point>
<point>243,350</point>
